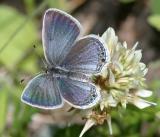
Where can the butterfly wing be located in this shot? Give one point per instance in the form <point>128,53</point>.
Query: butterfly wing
<point>43,92</point>
<point>79,94</point>
<point>60,30</point>
<point>88,55</point>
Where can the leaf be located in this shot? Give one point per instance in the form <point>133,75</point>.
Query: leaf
<point>10,21</point>
<point>154,20</point>
<point>29,65</point>
<point>57,4</point>
<point>155,6</point>
<point>3,106</point>
<point>30,5</point>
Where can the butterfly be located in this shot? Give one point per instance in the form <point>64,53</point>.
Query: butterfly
<point>71,61</point>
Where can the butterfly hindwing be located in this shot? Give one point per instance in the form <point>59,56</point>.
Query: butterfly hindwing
<point>43,92</point>
<point>79,94</point>
<point>88,55</point>
<point>59,32</point>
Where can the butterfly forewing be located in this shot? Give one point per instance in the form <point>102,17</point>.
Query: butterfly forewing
<point>79,94</point>
<point>88,55</point>
<point>60,30</point>
<point>43,92</point>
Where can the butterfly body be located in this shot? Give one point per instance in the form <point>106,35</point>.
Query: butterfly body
<point>63,73</point>
<point>71,63</point>
<point>57,72</point>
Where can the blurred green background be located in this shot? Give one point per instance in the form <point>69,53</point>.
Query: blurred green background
<point>21,56</point>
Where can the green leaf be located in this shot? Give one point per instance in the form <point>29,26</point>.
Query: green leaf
<point>10,21</point>
<point>29,65</point>
<point>3,106</point>
<point>60,4</point>
<point>30,5</point>
<point>155,6</point>
<point>154,20</point>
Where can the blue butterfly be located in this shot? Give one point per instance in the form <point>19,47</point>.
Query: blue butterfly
<point>71,61</point>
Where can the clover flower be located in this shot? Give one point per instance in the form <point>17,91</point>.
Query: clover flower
<point>121,82</point>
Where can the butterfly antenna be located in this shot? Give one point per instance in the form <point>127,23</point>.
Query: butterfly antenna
<point>42,60</point>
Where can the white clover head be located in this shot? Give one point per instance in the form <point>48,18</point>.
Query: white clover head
<point>121,82</point>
